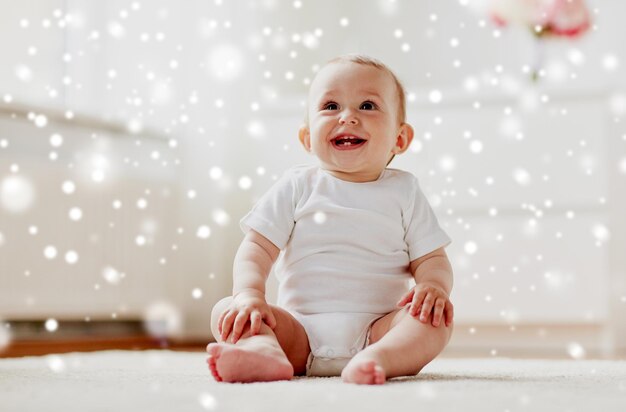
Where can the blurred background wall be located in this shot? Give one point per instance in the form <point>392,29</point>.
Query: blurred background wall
<point>134,135</point>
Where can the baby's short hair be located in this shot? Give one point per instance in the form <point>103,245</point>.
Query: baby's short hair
<point>370,61</point>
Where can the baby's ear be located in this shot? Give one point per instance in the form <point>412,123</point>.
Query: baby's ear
<point>305,137</point>
<point>404,139</point>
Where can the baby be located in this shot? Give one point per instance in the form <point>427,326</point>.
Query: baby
<point>354,234</point>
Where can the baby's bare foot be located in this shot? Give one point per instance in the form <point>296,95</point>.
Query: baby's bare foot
<point>247,363</point>
<point>363,372</point>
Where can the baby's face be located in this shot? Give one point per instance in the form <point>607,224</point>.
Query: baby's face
<point>353,121</point>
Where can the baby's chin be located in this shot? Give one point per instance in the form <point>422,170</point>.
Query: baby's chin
<point>353,175</point>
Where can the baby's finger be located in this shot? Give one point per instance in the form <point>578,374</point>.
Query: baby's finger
<point>227,323</point>
<point>438,313</point>
<point>417,310</point>
<point>427,307</point>
<point>406,298</point>
<point>418,300</point>
<point>449,311</point>
<point>240,322</point>
<point>220,321</point>
<point>255,322</point>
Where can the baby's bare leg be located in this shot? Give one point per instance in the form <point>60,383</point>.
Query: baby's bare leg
<point>400,345</point>
<point>270,355</point>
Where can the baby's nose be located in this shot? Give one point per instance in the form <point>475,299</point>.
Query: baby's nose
<point>349,118</point>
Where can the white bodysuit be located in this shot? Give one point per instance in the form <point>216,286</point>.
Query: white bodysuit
<point>345,252</point>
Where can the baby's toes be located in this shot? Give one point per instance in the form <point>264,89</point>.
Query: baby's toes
<point>214,351</point>
<point>364,372</point>
<point>379,375</point>
<point>372,374</point>
<point>368,373</point>
<point>213,369</point>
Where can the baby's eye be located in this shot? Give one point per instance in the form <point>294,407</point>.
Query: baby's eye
<point>330,106</point>
<point>368,105</point>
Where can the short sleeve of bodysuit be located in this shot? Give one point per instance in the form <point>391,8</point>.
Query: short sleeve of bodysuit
<point>422,231</point>
<point>273,215</point>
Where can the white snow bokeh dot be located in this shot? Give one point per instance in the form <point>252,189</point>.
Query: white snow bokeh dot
<point>196,293</point>
<point>447,163</point>
<point>51,325</point>
<point>56,363</point>
<point>601,232</point>
<point>476,146</point>
<point>112,276</point>
<point>470,248</point>
<point>216,173</point>
<point>75,214</point>
<point>435,96</point>
<point>522,176</point>
<point>23,73</point>
<point>17,194</point>
<point>226,62</point>
<point>576,350</point>
<point>245,182</point>
<point>68,187</point>
<point>56,140</point>
<point>98,175</point>
<point>319,217</point>
<point>610,62</point>
<point>71,257</point>
<point>50,252</point>
<point>203,232</point>
<point>221,217</point>
<point>41,121</point>
<point>116,30</point>
<point>617,104</point>
<point>162,319</point>
<point>208,401</point>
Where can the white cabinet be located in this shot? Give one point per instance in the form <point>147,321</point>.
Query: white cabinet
<point>117,222</point>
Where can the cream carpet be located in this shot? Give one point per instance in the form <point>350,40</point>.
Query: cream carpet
<point>179,381</point>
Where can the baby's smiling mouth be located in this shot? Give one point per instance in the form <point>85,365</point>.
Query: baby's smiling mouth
<point>347,141</point>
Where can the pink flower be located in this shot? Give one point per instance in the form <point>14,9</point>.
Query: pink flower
<point>569,18</point>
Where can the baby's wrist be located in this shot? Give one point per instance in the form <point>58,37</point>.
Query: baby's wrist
<point>432,283</point>
<point>249,292</point>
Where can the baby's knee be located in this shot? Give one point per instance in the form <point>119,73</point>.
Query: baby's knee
<point>442,333</point>
<point>217,310</point>
<point>449,330</point>
<point>219,307</point>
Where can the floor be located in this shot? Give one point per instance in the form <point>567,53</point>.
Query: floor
<point>166,380</point>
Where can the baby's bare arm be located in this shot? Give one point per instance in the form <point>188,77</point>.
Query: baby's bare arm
<point>433,268</point>
<point>253,262</point>
<point>433,284</point>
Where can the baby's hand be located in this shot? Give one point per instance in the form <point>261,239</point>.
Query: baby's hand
<point>246,305</point>
<point>425,298</point>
